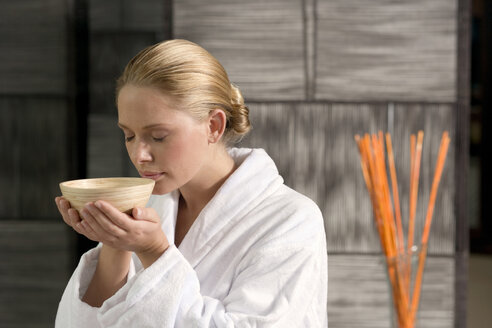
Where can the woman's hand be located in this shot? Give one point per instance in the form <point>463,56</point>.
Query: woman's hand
<point>102,222</point>
<point>71,216</point>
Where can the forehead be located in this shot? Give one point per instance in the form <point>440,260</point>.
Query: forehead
<point>146,105</point>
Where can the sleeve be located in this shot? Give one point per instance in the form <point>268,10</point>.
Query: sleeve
<point>280,285</point>
<point>72,312</point>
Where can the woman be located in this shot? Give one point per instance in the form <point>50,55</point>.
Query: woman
<point>223,242</point>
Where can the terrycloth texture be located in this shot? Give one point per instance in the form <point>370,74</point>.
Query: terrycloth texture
<point>254,257</point>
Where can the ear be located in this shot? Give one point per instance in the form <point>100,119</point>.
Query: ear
<point>216,125</point>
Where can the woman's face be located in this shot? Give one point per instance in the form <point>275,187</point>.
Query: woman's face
<point>164,143</point>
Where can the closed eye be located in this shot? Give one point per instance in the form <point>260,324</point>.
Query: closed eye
<point>128,139</point>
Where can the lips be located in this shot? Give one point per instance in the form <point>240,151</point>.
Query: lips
<point>151,175</point>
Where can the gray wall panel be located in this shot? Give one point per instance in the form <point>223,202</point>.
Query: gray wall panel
<point>143,15</point>
<point>106,147</point>
<point>260,43</point>
<point>314,148</point>
<point>9,165</point>
<point>274,130</point>
<point>39,158</point>
<point>33,51</point>
<point>110,52</point>
<point>433,120</point>
<point>359,292</point>
<point>36,266</point>
<point>388,50</point>
<point>348,213</point>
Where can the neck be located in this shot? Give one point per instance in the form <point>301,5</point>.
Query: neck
<point>198,192</point>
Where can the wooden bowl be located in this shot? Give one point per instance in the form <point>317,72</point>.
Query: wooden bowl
<point>122,193</point>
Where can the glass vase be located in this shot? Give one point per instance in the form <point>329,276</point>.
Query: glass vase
<point>404,274</point>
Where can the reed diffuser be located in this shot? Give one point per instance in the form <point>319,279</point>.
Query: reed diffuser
<point>405,279</point>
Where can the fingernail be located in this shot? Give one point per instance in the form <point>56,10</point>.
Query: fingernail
<point>98,204</point>
<point>138,211</point>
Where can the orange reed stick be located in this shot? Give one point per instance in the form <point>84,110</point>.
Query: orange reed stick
<point>412,160</point>
<point>441,159</point>
<point>364,162</point>
<point>371,150</point>
<point>396,198</point>
<point>400,293</point>
<point>387,197</point>
<point>367,169</point>
<point>381,195</point>
<point>415,188</point>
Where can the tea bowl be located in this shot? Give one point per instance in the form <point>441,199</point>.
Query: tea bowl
<point>122,193</point>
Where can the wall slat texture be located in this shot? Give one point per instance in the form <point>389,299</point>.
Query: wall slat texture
<point>35,246</point>
<point>33,134</point>
<point>36,261</point>
<point>33,54</point>
<point>260,43</point>
<point>314,147</point>
<point>433,120</point>
<point>359,293</point>
<point>117,15</point>
<point>109,53</point>
<point>388,50</point>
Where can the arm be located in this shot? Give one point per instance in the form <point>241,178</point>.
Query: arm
<point>120,235</point>
<point>110,276</point>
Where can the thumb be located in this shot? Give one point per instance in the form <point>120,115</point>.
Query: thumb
<point>144,213</point>
<point>137,213</point>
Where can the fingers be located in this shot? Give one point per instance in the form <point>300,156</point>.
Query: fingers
<point>100,222</point>
<point>120,219</point>
<point>85,229</point>
<point>69,215</point>
<point>145,213</point>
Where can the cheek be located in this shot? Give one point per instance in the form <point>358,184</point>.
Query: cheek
<point>190,150</point>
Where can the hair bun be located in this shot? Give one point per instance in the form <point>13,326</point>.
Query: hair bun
<point>239,120</point>
<point>236,96</point>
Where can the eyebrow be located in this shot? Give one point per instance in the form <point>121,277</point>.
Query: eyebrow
<point>150,126</point>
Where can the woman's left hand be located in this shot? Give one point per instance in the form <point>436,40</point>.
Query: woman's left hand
<point>141,233</point>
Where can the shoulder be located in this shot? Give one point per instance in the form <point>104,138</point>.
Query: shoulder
<point>290,216</point>
<point>293,202</point>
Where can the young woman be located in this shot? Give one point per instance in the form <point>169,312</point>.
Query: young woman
<point>223,242</point>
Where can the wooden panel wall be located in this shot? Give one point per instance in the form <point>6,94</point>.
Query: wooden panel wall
<point>315,140</point>
<point>358,292</point>
<point>251,39</point>
<point>35,111</point>
<point>388,50</point>
<point>34,53</point>
<point>35,267</point>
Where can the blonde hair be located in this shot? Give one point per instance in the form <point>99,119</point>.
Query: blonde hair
<point>194,77</point>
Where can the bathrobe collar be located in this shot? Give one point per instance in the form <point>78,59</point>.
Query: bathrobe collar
<point>254,180</point>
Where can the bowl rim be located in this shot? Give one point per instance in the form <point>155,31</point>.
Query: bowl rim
<point>139,182</point>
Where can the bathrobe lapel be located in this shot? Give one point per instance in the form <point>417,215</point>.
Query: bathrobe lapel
<point>257,175</point>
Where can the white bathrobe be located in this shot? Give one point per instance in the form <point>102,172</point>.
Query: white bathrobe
<point>254,257</point>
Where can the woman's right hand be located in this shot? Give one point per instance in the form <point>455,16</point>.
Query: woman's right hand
<point>72,218</point>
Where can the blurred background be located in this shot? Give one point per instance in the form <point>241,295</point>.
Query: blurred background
<point>314,73</point>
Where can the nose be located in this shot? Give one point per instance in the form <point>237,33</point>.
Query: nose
<point>142,153</point>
